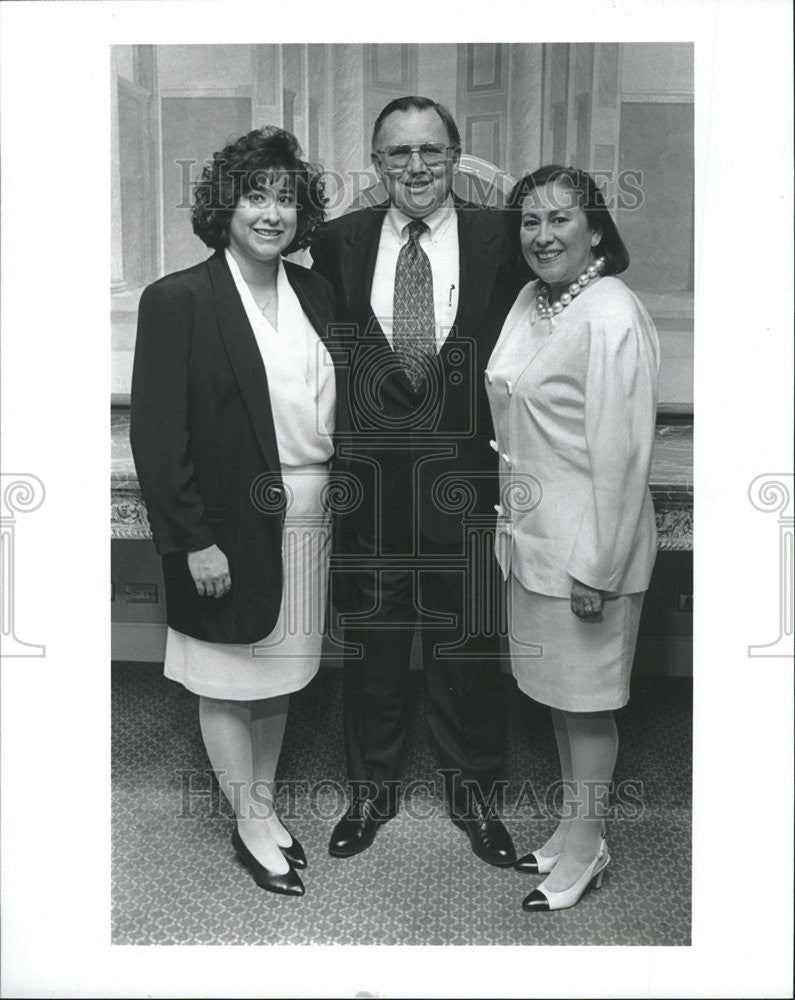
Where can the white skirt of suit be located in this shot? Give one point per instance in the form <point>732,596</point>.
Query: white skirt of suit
<point>566,663</point>
<point>302,396</point>
<point>288,658</point>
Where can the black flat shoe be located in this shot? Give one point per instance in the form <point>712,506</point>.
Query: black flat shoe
<point>490,841</point>
<point>286,883</point>
<point>294,853</point>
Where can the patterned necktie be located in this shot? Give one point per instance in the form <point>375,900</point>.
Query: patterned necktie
<point>413,321</point>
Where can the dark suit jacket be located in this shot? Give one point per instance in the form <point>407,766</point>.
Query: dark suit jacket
<point>204,445</point>
<point>424,463</point>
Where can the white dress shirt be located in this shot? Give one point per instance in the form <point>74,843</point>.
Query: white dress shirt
<point>300,374</point>
<point>440,243</point>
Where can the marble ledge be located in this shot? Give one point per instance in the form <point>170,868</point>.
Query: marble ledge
<point>671,485</point>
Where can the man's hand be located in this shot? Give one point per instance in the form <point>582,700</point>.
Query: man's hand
<point>210,571</point>
<point>586,602</point>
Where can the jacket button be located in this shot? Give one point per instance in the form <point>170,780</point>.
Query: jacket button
<point>507,459</point>
<point>509,387</point>
<point>499,509</point>
<point>493,446</point>
<point>489,376</point>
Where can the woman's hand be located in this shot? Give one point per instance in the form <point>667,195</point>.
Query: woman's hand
<point>210,571</point>
<point>586,602</point>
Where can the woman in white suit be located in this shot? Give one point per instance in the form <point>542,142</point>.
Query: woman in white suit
<point>572,384</point>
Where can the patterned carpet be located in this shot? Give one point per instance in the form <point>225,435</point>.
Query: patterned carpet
<point>176,879</point>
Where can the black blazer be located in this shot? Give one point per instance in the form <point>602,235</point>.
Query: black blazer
<point>204,444</point>
<point>413,460</point>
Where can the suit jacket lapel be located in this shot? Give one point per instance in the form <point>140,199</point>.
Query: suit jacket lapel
<point>358,264</point>
<point>244,357</point>
<point>477,262</point>
<point>321,318</point>
<point>310,302</point>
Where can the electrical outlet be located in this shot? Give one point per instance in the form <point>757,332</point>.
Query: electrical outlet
<point>140,593</point>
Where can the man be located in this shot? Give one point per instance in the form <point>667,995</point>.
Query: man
<point>413,280</point>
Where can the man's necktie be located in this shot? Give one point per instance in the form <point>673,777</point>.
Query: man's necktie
<point>413,321</point>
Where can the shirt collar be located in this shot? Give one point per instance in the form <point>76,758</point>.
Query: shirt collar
<point>283,289</point>
<point>235,268</point>
<point>437,222</point>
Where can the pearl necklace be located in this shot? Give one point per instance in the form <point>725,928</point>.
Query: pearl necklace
<point>547,311</point>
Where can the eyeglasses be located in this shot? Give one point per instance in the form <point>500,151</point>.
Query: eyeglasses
<point>432,153</point>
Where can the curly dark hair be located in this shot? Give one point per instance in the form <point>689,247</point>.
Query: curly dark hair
<point>246,165</point>
<point>592,202</point>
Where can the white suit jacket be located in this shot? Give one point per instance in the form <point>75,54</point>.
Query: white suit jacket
<point>574,403</point>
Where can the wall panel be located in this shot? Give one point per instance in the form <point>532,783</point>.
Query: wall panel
<point>193,129</point>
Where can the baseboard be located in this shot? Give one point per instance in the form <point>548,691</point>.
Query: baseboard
<point>144,642</point>
<point>660,656</point>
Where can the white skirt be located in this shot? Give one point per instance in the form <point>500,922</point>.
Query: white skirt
<point>288,658</point>
<point>566,663</point>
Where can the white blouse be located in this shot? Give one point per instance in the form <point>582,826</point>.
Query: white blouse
<point>300,374</point>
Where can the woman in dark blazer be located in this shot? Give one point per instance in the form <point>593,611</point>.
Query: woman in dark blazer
<point>233,413</point>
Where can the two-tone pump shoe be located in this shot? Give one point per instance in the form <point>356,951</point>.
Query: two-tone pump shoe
<point>542,900</point>
<point>285,883</point>
<point>536,864</point>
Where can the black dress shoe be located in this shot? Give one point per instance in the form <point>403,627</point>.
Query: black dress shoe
<point>294,853</point>
<point>357,828</point>
<point>490,841</point>
<point>286,883</point>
